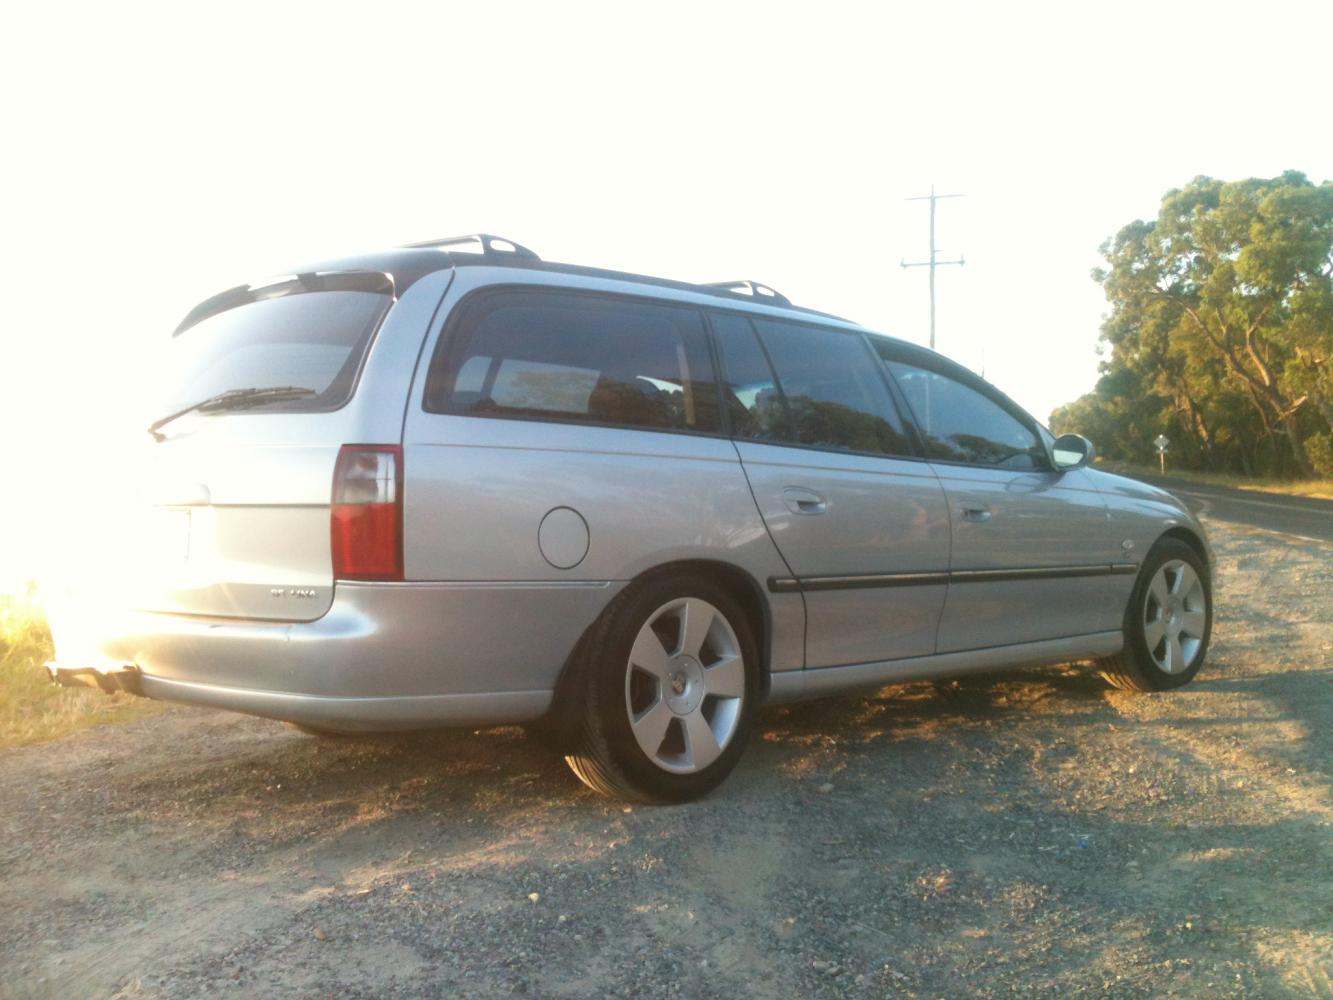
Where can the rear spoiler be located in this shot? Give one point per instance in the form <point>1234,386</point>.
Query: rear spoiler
<point>292,284</point>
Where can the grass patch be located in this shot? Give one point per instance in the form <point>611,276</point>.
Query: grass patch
<point>1320,488</point>
<point>32,709</point>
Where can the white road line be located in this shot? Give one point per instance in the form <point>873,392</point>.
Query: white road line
<point>1270,531</point>
<point>1258,503</point>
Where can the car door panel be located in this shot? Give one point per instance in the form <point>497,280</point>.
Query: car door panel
<point>863,529</point>
<point>1037,567</point>
<point>1032,555</point>
<point>872,564</point>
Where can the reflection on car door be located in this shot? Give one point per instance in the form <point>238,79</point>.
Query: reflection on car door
<point>1032,553</point>
<point>863,526</point>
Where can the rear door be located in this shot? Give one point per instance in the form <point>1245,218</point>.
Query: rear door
<point>862,524</point>
<point>1032,547</point>
<point>236,519</point>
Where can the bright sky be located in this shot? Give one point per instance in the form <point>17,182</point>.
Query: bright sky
<point>157,154</point>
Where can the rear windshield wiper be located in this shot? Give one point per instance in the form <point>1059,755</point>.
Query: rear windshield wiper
<point>232,399</point>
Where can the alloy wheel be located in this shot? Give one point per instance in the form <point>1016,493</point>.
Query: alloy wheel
<point>1175,616</point>
<point>685,685</point>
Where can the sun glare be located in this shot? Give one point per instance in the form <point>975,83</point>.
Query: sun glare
<point>135,198</point>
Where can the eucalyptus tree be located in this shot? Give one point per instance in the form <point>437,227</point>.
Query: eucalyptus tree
<point>1222,317</point>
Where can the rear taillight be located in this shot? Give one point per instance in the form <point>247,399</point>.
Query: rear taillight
<point>367,513</point>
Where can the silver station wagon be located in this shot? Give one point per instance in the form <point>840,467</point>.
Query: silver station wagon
<point>453,484</point>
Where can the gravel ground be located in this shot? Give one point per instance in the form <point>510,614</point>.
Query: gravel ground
<point>1031,835</point>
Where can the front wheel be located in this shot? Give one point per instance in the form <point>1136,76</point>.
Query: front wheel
<point>1168,622</point>
<point>670,683</point>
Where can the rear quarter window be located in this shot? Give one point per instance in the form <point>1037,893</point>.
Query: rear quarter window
<point>568,356</point>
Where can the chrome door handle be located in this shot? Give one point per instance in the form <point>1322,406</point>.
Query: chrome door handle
<point>976,513</point>
<point>799,500</point>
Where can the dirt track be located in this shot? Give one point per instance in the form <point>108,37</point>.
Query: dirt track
<point>1031,835</point>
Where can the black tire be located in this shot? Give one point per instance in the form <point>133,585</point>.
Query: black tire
<point>1137,667</point>
<point>603,750</point>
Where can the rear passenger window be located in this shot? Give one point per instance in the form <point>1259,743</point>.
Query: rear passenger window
<point>806,385</point>
<point>750,391</point>
<point>586,358</point>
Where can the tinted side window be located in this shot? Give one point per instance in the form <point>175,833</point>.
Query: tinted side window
<point>586,358</point>
<point>750,390</point>
<point>960,424</point>
<point>834,393</point>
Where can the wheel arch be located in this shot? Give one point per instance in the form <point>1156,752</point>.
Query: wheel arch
<point>1192,539</point>
<point>743,587</point>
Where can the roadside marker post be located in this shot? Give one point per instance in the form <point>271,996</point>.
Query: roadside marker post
<point>1161,443</point>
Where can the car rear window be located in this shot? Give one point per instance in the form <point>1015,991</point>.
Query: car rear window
<point>576,357</point>
<point>313,340</point>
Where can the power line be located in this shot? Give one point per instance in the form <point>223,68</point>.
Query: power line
<point>933,263</point>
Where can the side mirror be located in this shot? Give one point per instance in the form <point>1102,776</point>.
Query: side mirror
<point>1072,451</point>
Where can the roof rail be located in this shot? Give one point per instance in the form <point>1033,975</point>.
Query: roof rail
<point>753,289</point>
<point>491,246</point>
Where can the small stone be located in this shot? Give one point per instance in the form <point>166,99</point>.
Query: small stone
<point>562,918</point>
<point>535,897</point>
<point>320,935</point>
<point>825,788</point>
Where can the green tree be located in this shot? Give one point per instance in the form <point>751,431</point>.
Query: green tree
<point>1221,327</point>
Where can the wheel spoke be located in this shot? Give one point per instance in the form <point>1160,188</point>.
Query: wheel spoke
<point>1175,662</point>
<point>1186,578</point>
<point>648,654</point>
<point>696,618</point>
<point>726,678</point>
<point>1192,623</point>
<point>1153,632</point>
<point>1159,588</point>
<point>700,741</point>
<point>650,727</point>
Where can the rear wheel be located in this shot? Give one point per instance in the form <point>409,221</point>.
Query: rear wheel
<point>669,689</point>
<point>1168,623</point>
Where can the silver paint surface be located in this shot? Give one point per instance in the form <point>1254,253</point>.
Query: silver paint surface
<point>243,613</point>
<point>883,515</point>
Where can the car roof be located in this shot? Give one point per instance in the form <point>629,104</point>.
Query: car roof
<point>406,265</point>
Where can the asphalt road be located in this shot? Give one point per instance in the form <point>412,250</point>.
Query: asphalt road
<point>1304,517</point>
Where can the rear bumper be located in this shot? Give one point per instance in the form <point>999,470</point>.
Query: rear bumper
<point>386,656</point>
<point>358,714</point>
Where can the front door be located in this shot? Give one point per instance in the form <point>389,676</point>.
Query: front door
<point>1032,555</point>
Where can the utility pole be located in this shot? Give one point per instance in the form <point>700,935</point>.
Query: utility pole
<point>933,263</point>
